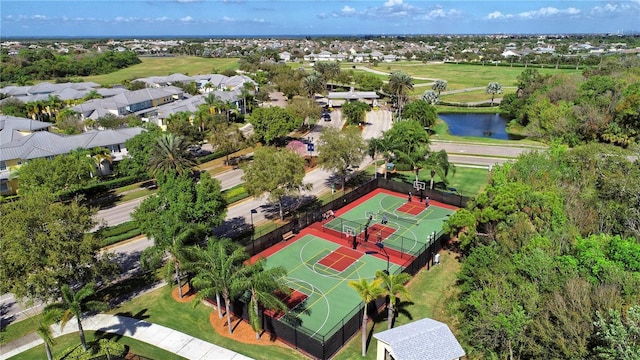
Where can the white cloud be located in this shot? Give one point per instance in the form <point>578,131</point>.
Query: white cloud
<point>228,19</point>
<point>548,12</point>
<point>497,15</point>
<point>347,10</point>
<point>186,19</point>
<point>39,17</point>
<point>632,6</point>
<point>392,3</point>
<point>258,20</point>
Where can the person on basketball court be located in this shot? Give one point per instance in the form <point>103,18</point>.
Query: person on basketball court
<point>380,236</point>
<point>355,242</point>
<point>426,202</point>
<point>384,219</point>
<point>409,197</point>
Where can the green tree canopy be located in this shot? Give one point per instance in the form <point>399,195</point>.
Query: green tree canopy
<point>279,172</point>
<point>422,112</point>
<point>46,244</point>
<point>341,151</point>
<point>272,123</point>
<point>181,212</point>
<point>355,111</point>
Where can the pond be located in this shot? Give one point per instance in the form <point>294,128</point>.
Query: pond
<point>479,125</point>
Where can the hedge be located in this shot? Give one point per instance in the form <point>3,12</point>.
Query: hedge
<point>92,190</point>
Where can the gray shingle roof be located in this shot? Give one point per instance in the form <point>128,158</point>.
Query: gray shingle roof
<point>42,143</point>
<point>10,125</point>
<point>425,339</point>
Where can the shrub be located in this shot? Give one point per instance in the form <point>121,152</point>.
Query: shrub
<point>102,349</point>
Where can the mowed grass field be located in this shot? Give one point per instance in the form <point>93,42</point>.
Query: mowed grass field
<point>162,66</point>
<point>458,76</point>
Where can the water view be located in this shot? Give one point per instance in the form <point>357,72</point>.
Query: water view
<point>480,125</point>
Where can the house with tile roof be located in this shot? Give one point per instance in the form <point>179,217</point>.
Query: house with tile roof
<point>425,339</point>
<point>25,139</point>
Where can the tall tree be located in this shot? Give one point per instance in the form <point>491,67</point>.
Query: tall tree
<point>400,84</point>
<point>394,286</point>
<point>227,138</point>
<point>341,151</point>
<point>181,212</point>
<point>305,109</point>
<point>440,165</point>
<point>273,123</point>
<point>264,284</point>
<point>312,84</point>
<point>329,71</point>
<point>408,141</point>
<point>493,88</point>
<point>431,97</point>
<point>219,270</point>
<point>368,292</point>
<point>170,155</point>
<point>439,86</point>
<point>355,112</point>
<point>45,244</point>
<point>74,303</point>
<point>279,172</point>
<point>422,112</point>
<point>139,149</point>
<point>47,318</point>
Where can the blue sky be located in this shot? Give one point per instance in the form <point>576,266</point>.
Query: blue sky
<point>305,17</point>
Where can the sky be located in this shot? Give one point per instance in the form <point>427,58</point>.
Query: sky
<point>138,18</point>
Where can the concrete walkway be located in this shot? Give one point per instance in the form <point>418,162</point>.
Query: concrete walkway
<point>156,335</point>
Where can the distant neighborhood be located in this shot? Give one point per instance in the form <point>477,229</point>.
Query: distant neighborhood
<point>370,49</point>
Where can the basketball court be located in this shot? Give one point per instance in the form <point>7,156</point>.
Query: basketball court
<point>380,231</point>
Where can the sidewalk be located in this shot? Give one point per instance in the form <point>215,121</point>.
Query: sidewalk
<point>156,335</point>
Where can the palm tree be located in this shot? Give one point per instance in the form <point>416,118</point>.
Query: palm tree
<point>48,317</point>
<point>84,160</point>
<point>439,164</point>
<point>431,97</point>
<point>174,253</point>
<point>263,285</point>
<point>494,88</point>
<point>170,154</point>
<point>75,303</point>
<point>218,269</point>
<point>400,84</point>
<point>368,291</point>
<point>394,286</point>
<point>100,155</point>
<point>247,91</point>
<point>312,84</point>
<point>439,86</point>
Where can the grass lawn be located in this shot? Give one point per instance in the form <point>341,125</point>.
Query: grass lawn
<point>461,76</point>
<point>474,95</point>
<point>467,180</point>
<point>430,291</point>
<point>161,66</point>
<point>159,307</point>
<point>66,341</point>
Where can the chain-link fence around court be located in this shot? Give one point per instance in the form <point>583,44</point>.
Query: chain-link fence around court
<point>324,347</point>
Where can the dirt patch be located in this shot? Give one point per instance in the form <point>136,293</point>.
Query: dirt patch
<point>242,331</point>
<point>187,294</point>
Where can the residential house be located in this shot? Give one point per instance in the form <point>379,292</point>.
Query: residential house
<point>25,139</point>
<point>425,339</point>
<point>285,56</point>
